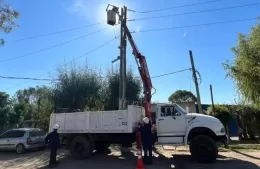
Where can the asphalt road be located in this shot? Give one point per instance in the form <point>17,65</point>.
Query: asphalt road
<point>163,159</point>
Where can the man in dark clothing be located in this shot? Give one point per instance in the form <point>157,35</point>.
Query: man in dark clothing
<point>147,140</point>
<point>53,141</point>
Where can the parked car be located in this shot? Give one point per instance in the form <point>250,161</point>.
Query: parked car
<point>22,139</point>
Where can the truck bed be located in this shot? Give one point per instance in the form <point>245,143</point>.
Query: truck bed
<point>115,121</point>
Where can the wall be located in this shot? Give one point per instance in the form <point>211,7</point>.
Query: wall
<point>188,106</point>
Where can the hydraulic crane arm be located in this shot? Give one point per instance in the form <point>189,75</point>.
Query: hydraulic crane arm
<point>144,73</point>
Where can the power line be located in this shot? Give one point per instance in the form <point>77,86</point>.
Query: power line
<point>98,23</point>
<point>159,29</point>
<point>195,12</point>
<point>24,78</point>
<point>54,46</point>
<point>43,79</point>
<point>167,74</point>
<point>196,25</point>
<point>89,52</point>
<point>54,33</point>
<point>181,6</point>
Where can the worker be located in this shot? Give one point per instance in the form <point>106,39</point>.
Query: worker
<point>240,133</point>
<point>147,140</point>
<point>154,136</point>
<point>53,141</point>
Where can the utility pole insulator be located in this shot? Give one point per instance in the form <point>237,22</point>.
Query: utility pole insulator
<point>118,58</point>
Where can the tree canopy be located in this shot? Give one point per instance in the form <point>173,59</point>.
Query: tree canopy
<point>245,68</point>
<point>182,96</point>
<point>133,90</point>
<point>7,19</point>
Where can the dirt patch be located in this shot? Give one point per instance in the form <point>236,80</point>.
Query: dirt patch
<point>164,158</point>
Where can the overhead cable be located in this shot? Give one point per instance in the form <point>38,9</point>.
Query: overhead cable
<point>195,12</point>
<point>167,74</point>
<point>181,6</point>
<point>195,25</point>
<point>44,79</point>
<point>57,32</point>
<point>89,52</point>
<point>54,46</point>
<point>24,78</point>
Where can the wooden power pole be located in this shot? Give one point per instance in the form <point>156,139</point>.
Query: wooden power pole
<point>195,81</point>
<point>212,99</point>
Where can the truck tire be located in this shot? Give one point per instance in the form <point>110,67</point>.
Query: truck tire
<point>101,147</point>
<point>204,149</point>
<point>81,148</point>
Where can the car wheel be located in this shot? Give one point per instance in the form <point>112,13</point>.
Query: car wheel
<point>20,149</point>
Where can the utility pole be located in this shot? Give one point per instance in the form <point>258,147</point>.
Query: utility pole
<point>38,109</point>
<point>195,81</point>
<point>122,57</point>
<point>211,94</point>
<point>122,77</point>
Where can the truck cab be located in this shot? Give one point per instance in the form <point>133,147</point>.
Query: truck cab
<point>174,126</point>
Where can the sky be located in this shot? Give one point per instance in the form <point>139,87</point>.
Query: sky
<point>166,50</point>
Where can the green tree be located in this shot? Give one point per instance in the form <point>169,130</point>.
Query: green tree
<point>25,103</point>
<point>78,88</point>
<point>182,96</point>
<point>34,104</point>
<point>245,68</point>
<point>5,110</point>
<point>133,90</point>
<point>7,19</point>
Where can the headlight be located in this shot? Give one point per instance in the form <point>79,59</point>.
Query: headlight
<point>222,130</point>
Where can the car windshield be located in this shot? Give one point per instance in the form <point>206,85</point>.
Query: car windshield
<point>180,109</point>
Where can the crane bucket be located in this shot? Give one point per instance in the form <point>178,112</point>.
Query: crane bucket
<point>111,17</point>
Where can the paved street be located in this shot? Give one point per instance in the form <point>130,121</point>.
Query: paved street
<point>115,160</point>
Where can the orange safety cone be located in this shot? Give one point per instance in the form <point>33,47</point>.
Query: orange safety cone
<point>139,164</point>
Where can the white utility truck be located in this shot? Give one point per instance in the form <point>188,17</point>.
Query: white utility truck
<point>85,132</point>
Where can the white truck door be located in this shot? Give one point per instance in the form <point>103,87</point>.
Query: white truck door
<point>171,125</point>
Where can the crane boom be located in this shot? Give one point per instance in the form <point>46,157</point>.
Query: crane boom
<point>144,73</point>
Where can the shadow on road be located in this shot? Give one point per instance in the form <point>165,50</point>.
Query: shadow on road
<point>115,159</point>
<point>186,162</point>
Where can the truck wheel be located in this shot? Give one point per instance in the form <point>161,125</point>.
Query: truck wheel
<point>101,147</point>
<point>81,148</point>
<point>204,149</point>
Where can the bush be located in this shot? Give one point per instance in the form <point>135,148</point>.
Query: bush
<point>222,113</point>
<point>247,116</point>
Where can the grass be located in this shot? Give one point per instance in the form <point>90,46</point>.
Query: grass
<point>243,145</point>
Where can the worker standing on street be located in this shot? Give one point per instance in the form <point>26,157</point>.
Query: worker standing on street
<point>53,141</point>
<point>154,136</point>
<point>147,140</point>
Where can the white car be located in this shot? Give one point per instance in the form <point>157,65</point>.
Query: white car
<point>22,139</point>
